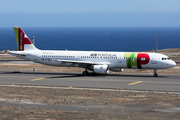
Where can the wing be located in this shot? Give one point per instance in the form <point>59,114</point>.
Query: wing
<point>80,62</point>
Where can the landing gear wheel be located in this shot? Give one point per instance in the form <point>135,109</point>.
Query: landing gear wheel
<point>85,73</point>
<point>155,75</point>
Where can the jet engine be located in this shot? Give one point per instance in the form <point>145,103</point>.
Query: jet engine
<point>116,69</point>
<point>101,69</point>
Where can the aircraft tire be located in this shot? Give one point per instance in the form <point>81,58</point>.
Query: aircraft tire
<point>155,75</point>
<point>85,73</point>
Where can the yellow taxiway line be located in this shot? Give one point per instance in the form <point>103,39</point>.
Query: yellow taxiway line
<point>38,79</point>
<point>131,82</point>
<point>135,83</point>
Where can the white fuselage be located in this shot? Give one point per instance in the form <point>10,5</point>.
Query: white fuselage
<point>112,59</point>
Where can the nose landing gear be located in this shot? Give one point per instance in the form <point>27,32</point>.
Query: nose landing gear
<point>155,74</point>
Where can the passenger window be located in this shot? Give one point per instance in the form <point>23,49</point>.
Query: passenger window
<point>142,58</point>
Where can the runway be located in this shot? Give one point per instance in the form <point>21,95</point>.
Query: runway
<point>115,81</point>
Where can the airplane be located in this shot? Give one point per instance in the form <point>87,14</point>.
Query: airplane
<point>96,61</point>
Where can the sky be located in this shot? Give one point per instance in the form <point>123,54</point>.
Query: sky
<point>90,13</point>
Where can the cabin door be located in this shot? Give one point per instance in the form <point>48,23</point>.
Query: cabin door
<point>153,59</point>
<point>119,59</point>
<point>78,58</point>
<point>35,58</point>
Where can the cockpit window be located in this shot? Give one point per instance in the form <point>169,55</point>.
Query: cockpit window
<point>165,58</point>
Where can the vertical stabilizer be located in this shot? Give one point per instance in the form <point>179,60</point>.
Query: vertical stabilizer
<point>23,42</point>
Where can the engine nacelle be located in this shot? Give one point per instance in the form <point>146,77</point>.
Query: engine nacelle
<point>116,69</point>
<point>101,69</point>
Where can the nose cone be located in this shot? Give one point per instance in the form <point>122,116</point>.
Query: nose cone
<point>171,64</point>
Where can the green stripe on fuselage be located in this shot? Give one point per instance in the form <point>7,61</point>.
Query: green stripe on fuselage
<point>131,59</point>
<point>16,31</point>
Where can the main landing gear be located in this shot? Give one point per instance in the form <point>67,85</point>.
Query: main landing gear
<point>155,74</point>
<point>85,72</point>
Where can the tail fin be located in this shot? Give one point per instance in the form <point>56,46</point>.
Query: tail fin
<point>23,42</point>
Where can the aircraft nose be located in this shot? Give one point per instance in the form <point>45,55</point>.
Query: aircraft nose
<point>172,64</point>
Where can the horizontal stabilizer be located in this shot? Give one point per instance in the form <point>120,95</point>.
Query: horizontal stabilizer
<point>18,54</point>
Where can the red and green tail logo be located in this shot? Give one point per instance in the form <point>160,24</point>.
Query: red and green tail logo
<point>21,38</point>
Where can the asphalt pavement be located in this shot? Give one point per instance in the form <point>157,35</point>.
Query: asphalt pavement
<point>111,81</point>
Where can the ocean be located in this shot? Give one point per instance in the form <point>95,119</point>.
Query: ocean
<point>96,39</point>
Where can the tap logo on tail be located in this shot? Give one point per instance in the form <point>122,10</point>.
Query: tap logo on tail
<point>21,38</point>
